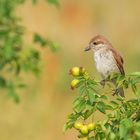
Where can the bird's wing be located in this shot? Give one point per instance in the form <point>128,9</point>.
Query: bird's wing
<point>119,60</point>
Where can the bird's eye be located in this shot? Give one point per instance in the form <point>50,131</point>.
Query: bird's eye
<point>95,43</point>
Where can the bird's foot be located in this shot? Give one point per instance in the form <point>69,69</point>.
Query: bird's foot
<point>115,92</point>
<point>119,92</point>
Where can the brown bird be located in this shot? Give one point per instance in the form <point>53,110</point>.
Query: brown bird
<point>107,59</point>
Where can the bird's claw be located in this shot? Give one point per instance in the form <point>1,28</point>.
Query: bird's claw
<point>115,92</point>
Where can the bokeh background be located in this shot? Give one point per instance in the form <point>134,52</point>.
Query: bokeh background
<point>48,100</point>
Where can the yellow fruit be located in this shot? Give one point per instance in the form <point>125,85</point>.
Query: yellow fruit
<point>74,83</point>
<point>78,125</point>
<point>91,126</point>
<point>84,129</point>
<point>85,138</point>
<point>75,71</point>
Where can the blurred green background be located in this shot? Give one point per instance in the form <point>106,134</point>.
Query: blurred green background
<point>46,102</point>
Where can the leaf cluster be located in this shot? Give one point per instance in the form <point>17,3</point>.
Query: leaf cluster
<point>15,55</point>
<point>121,116</point>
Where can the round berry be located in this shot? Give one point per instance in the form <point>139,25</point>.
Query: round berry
<point>75,71</point>
<point>78,125</point>
<point>74,83</point>
<point>91,126</point>
<point>84,129</point>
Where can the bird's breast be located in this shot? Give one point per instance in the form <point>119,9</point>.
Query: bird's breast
<point>105,62</point>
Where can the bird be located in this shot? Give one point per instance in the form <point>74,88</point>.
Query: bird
<point>107,59</point>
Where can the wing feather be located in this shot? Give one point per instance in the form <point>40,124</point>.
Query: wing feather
<point>119,60</point>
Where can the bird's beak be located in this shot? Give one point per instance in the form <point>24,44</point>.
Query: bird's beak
<point>87,48</point>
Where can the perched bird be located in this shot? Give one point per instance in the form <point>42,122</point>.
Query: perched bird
<point>107,59</point>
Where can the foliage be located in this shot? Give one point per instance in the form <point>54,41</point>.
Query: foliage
<point>15,55</point>
<point>54,46</point>
<point>54,2</point>
<point>121,115</point>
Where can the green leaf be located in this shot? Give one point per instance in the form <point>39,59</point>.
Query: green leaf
<point>81,88</point>
<point>22,85</point>
<point>79,105</point>
<point>88,106</point>
<point>119,98</point>
<point>54,2</point>
<point>39,39</point>
<point>12,92</point>
<point>134,88</point>
<point>91,138</point>
<point>88,113</point>
<point>72,118</point>
<point>134,74</point>
<point>112,136</point>
<point>101,107</point>
<point>8,50</point>
<point>125,124</point>
<point>117,114</point>
<point>65,127</point>
<point>109,107</point>
<point>114,104</point>
<point>135,80</point>
<point>100,136</point>
<point>34,1</point>
<point>2,82</point>
<point>138,93</point>
<point>104,97</point>
<point>54,46</point>
<point>92,97</point>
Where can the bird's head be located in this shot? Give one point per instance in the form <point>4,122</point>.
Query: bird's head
<point>97,42</point>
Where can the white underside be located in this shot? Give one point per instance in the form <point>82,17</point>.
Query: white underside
<point>105,63</point>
